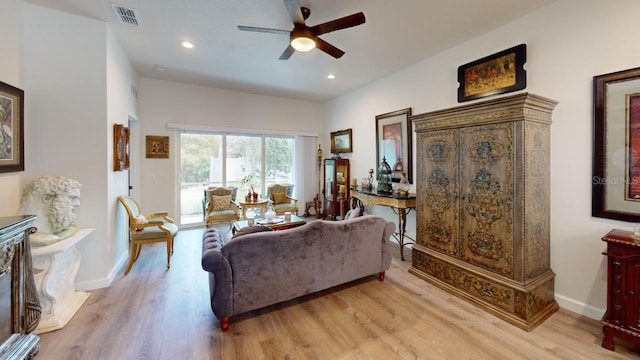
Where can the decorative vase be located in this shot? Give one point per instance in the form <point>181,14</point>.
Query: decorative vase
<point>255,196</point>
<point>403,186</point>
<point>270,214</point>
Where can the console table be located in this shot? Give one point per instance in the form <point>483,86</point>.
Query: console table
<point>55,268</point>
<point>401,206</point>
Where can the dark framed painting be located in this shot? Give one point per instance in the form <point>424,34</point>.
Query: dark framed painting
<point>341,142</point>
<point>11,128</point>
<point>616,148</point>
<point>157,147</point>
<point>120,147</point>
<point>393,143</point>
<point>495,74</point>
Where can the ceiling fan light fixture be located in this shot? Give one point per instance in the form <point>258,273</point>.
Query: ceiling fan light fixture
<point>303,40</point>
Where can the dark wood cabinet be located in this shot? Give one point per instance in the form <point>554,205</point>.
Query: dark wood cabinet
<point>336,187</point>
<point>622,318</point>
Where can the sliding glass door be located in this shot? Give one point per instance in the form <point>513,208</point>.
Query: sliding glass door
<point>245,161</point>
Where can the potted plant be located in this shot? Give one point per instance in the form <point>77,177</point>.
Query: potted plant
<point>247,180</point>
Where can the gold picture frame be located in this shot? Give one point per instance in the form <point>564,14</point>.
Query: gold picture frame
<point>341,141</point>
<point>157,147</point>
<point>120,147</point>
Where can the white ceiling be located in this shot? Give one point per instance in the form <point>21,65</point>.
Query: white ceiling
<point>396,34</point>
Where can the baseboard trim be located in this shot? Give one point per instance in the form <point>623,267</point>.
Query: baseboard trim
<point>579,307</point>
<point>103,282</point>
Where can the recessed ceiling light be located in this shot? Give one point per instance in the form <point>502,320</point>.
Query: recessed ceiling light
<point>331,76</point>
<point>186,44</point>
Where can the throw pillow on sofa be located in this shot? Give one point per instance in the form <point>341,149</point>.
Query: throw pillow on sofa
<point>251,229</point>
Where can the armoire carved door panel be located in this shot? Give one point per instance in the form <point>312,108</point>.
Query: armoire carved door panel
<point>439,197</point>
<point>487,186</point>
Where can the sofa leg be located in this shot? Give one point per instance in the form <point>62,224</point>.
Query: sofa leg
<point>224,323</point>
<point>381,276</point>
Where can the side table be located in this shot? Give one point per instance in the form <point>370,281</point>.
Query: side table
<point>253,204</point>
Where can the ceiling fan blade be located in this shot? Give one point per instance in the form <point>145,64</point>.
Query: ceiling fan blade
<point>263,30</point>
<point>295,13</point>
<point>338,24</point>
<point>329,49</point>
<point>287,53</point>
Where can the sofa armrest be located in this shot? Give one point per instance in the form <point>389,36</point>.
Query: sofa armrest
<point>220,274</point>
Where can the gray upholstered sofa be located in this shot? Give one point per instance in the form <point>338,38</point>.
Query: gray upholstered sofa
<point>264,268</point>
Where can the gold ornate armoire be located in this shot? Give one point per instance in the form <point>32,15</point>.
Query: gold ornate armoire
<point>482,213</point>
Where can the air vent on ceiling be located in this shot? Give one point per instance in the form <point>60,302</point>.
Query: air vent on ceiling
<point>126,15</point>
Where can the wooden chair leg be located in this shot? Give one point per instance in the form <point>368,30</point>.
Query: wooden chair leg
<point>169,252</point>
<point>135,251</point>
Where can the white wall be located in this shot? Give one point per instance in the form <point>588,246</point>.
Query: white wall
<point>163,102</point>
<point>77,86</point>
<point>11,73</point>
<point>121,105</point>
<point>568,42</point>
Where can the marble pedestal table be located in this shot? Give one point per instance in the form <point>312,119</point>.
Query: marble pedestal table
<point>55,267</point>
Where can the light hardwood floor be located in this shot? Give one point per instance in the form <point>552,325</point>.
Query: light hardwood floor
<point>157,314</point>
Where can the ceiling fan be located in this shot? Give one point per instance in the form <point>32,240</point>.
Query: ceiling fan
<point>304,38</point>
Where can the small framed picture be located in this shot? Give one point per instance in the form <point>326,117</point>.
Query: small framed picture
<point>341,142</point>
<point>120,147</point>
<point>157,147</point>
<point>495,74</point>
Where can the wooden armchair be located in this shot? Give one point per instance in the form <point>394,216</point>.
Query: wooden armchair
<point>147,229</point>
<point>281,201</point>
<point>221,207</point>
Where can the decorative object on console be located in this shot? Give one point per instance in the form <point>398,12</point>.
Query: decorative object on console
<point>403,186</point>
<point>157,147</point>
<point>495,74</point>
<point>393,142</point>
<point>120,147</point>
<point>11,128</point>
<point>53,200</point>
<point>384,177</point>
<point>482,218</point>
<point>616,149</point>
<point>341,142</point>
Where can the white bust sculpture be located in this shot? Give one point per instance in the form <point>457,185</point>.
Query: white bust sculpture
<point>53,200</point>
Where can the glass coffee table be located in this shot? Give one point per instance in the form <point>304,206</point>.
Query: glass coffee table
<point>279,223</point>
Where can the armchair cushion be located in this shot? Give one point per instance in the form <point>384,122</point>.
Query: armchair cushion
<point>140,219</point>
<point>280,198</point>
<point>219,203</point>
